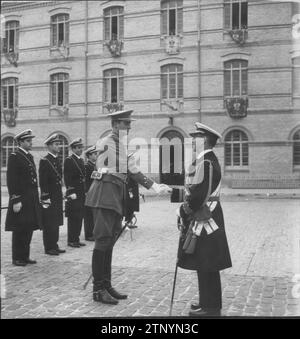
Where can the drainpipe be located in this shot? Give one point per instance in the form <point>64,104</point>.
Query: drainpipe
<point>86,74</point>
<point>199,61</point>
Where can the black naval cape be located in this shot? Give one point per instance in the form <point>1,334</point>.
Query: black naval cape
<point>50,175</point>
<point>23,187</point>
<point>212,252</point>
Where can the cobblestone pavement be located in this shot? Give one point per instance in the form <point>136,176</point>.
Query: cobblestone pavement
<point>263,236</point>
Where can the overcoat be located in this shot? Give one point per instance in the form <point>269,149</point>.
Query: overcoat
<point>22,187</point>
<point>74,176</point>
<point>50,177</point>
<point>212,251</point>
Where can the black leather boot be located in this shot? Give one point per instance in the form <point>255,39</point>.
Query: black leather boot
<point>100,293</point>
<point>107,275</point>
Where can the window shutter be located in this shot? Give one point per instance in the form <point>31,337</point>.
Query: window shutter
<point>164,86</point>
<point>227,23</point>
<point>179,21</point>
<point>107,28</point>
<point>244,82</point>
<point>227,91</point>
<point>66,87</point>
<point>53,93</point>
<point>121,26</point>
<point>180,85</point>
<point>121,88</point>
<point>164,17</point>
<point>54,34</point>
<point>16,94</point>
<point>67,33</point>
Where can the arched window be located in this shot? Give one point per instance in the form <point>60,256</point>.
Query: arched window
<point>235,78</point>
<point>8,146</point>
<point>64,148</point>
<point>171,17</point>
<point>296,149</point>
<point>9,91</point>
<point>60,30</point>
<point>11,38</point>
<point>59,89</point>
<point>172,81</point>
<point>114,23</point>
<point>236,149</point>
<point>113,87</point>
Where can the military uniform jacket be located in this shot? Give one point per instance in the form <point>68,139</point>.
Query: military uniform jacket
<point>74,176</point>
<point>50,177</point>
<point>212,252</point>
<point>89,168</point>
<point>22,187</point>
<point>111,191</point>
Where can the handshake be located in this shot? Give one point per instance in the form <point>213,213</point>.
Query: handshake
<point>161,188</point>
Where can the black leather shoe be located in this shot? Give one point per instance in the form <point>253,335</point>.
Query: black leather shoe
<point>59,250</point>
<point>52,252</point>
<point>90,239</point>
<point>73,244</point>
<point>104,297</point>
<point>30,261</point>
<point>115,294</point>
<point>81,244</point>
<point>19,263</point>
<point>195,306</point>
<point>205,312</point>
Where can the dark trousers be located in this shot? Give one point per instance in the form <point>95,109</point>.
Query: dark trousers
<point>74,228</point>
<point>88,222</point>
<point>50,236</point>
<point>210,291</point>
<point>21,244</point>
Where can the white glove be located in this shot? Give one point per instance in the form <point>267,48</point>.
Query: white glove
<point>73,196</point>
<point>103,170</point>
<point>161,188</point>
<point>46,203</point>
<point>17,207</point>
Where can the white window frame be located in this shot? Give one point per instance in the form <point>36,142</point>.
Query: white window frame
<point>108,15</point>
<point>6,149</point>
<point>54,81</point>
<point>240,68</point>
<point>178,10</point>
<point>12,25</point>
<point>107,77</point>
<point>230,3</point>
<point>232,142</point>
<point>56,20</point>
<point>5,84</point>
<point>165,70</point>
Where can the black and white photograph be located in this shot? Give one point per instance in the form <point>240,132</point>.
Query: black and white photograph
<point>150,162</point>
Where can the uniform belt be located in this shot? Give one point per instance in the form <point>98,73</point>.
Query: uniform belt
<point>98,176</point>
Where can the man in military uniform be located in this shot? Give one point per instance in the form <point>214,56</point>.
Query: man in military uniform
<point>202,217</point>
<point>106,197</point>
<point>74,175</point>
<point>91,154</point>
<point>24,210</point>
<point>50,175</point>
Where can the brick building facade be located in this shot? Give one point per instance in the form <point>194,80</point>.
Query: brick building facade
<point>234,65</point>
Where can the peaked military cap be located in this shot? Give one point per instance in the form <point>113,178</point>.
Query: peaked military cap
<point>202,129</point>
<point>27,134</point>
<point>52,138</point>
<point>121,116</point>
<point>76,142</point>
<point>91,150</point>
